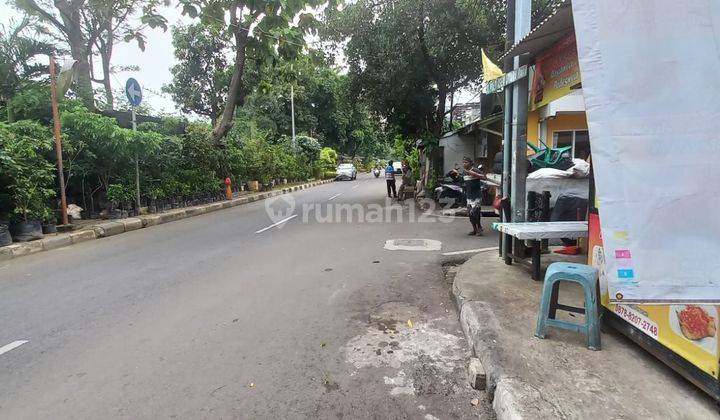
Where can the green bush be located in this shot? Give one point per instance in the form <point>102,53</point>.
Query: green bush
<point>175,158</point>
<point>328,159</point>
<point>25,174</point>
<point>256,160</point>
<point>120,195</point>
<point>32,103</point>
<point>432,183</point>
<point>308,147</point>
<point>414,161</point>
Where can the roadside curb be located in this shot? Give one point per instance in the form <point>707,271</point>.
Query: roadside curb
<point>109,228</point>
<point>511,397</point>
<point>559,377</point>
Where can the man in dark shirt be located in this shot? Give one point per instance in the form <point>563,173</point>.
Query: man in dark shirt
<point>473,176</point>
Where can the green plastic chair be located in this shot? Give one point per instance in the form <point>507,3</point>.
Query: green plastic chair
<point>546,157</point>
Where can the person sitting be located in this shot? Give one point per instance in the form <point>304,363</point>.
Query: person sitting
<point>406,180</point>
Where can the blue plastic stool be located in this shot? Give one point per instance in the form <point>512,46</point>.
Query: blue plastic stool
<point>585,276</point>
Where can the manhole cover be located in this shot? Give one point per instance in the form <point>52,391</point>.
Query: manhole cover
<point>413,245</point>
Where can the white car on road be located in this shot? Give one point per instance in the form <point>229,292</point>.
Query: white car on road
<point>346,171</point>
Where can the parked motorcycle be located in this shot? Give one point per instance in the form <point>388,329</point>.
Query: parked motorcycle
<point>450,193</point>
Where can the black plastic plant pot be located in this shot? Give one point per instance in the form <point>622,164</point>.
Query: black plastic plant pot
<point>5,236</point>
<point>49,228</point>
<point>26,230</point>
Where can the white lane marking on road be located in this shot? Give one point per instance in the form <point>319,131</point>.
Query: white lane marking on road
<point>471,251</point>
<point>13,345</point>
<point>443,216</point>
<point>355,187</point>
<point>277,224</point>
<point>334,196</point>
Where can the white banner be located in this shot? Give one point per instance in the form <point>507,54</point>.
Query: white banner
<point>651,81</point>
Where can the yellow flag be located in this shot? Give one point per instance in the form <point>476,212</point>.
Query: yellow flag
<point>490,70</point>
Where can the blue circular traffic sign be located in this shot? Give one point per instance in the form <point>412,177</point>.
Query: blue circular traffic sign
<point>133,91</point>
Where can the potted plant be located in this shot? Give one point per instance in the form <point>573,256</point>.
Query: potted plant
<point>119,195</point>
<point>155,194</point>
<point>27,175</point>
<point>49,224</point>
<point>30,209</point>
<point>5,236</point>
<point>5,209</point>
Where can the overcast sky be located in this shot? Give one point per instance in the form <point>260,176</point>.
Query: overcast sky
<point>155,62</point>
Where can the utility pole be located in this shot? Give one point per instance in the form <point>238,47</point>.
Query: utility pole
<point>292,115</point>
<point>505,246</point>
<point>518,175</point>
<point>515,124</point>
<point>58,140</point>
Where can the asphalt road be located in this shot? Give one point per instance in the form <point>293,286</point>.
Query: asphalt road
<point>226,315</point>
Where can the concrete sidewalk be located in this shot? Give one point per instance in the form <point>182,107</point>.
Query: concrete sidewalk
<point>105,228</point>
<point>558,377</point>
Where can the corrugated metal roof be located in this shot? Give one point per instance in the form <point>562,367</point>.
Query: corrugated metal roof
<point>482,122</point>
<point>545,34</point>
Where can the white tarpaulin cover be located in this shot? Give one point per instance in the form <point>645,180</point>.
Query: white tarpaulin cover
<point>544,230</point>
<point>650,72</point>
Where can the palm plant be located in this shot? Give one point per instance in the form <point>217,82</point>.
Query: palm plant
<point>18,66</point>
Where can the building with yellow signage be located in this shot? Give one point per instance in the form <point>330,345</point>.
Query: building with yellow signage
<point>556,112</point>
<point>556,118</point>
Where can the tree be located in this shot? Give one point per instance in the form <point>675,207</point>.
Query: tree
<point>202,75</point>
<point>409,56</point>
<point>110,20</point>
<point>493,13</point>
<point>89,26</point>
<point>325,107</point>
<point>274,32</point>
<point>17,66</point>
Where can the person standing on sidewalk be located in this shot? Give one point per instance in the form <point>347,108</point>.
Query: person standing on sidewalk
<point>390,179</point>
<point>473,176</point>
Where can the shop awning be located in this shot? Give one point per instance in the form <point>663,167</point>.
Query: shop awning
<point>546,34</point>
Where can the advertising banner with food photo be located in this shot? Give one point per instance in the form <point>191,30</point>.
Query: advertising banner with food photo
<point>654,126</point>
<point>556,73</point>
<point>688,330</point>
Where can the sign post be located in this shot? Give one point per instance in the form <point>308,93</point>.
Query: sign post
<point>507,79</point>
<point>133,91</point>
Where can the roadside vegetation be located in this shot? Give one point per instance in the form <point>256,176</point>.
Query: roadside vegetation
<point>237,66</point>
